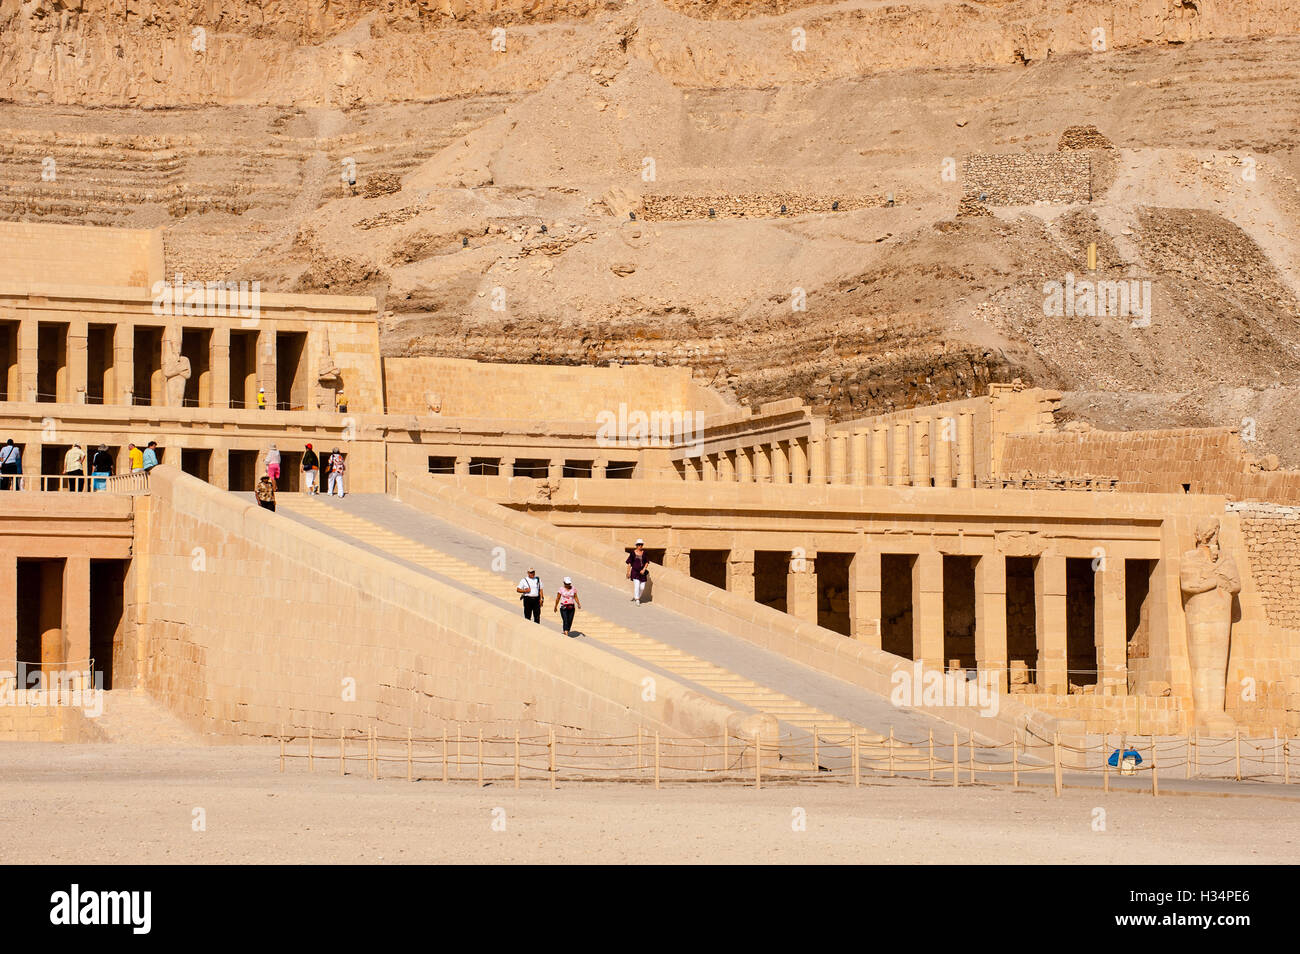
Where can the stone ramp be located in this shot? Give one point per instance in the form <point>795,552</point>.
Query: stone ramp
<point>708,660</point>
<point>134,717</point>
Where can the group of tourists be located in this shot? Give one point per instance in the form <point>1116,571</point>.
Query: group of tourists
<point>80,471</point>
<point>533,595</point>
<point>336,466</point>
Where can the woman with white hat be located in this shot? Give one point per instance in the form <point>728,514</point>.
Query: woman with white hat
<point>638,570</point>
<point>566,603</point>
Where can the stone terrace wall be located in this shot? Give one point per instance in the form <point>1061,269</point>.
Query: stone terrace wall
<point>1272,536</point>
<point>1025,178</point>
<point>1209,460</point>
<point>525,392</point>
<point>760,205</point>
<point>250,621</point>
<point>80,254</point>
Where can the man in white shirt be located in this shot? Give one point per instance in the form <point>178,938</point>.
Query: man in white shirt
<point>530,591</point>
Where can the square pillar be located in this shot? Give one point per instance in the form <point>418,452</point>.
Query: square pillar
<point>898,470</point>
<point>678,558</point>
<point>9,611</point>
<point>76,611</point>
<point>219,364</point>
<point>859,448</point>
<point>945,430</point>
<point>817,460</point>
<point>966,448</point>
<point>864,597</point>
<point>28,363</point>
<point>1049,623</point>
<point>506,468</point>
<point>599,469</point>
<point>740,573</point>
<point>219,469</point>
<point>123,391</point>
<point>921,452</point>
<point>78,360</point>
<point>839,459</point>
<point>726,467</point>
<point>266,363</point>
<point>798,462</point>
<point>1110,627</point>
<point>554,468</point>
<point>801,587</point>
<point>762,464</point>
<point>744,465</point>
<point>991,619</point>
<point>927,609</point>
<point>879,456</point>
<point>460,468</point>
<point>709,467</point>
<point>780,463</point>
<point>50,616</point>
<point>690,469</point>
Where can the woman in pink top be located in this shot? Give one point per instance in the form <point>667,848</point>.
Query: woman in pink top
<point>566,603</point>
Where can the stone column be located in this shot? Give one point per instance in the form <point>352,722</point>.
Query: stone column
<point>965,448</point>
<point>859,457</point>
<point>1049,623</point>
<point>1110,626</point>
<point>817,461</point>
<point>678,558</point>
<point>28,361</point>
<point>76,613</point>
<point>50,615</point>
<point>780,463</point>
<point>599,469</point>
<point>744,465</point>
<point>507,467</point>
<point>709,465</point>
<point>78,361</point>
<point>864,597</point>
<point>879,456</point>
<point>921,452</point>
<point>927,609</point>
<point>9,611</point>
<point>726,468</point>
<point>219,359</point>
<point>898,469</point>
<point>740,573</point>
<point>801,587</point>
<point>762,464</point>
<point>554,468</point>
<point>123,364</point>
<point>839,459</point>
<point>991,618</point>
<point>690,469</point>
<point>266,363</point>
<point>219,469</point>
<point>943,445</point>
<point>798,462</point>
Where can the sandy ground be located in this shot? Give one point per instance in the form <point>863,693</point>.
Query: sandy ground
<point>127,804</point>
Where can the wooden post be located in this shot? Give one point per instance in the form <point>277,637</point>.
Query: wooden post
<point>638,749</point>
<point>857,764</point>
<point>758,760</point>
<point>1276,751</point>
<point>1155,771</point>
<point>281,748</point>
<point>480,756</point>
<point>1015,758</point>
<point>932,755</point>
<point>444,753</point>
<point>516,758</point>
<point>1056,761</point>
<point>374,753</point>
<point>457,750</point>
<point>1196,750</point>
<point>1286,759</point>
<point>891,751</point>
<point>409,766</point>
<point>341,756</point>
<point>1187,758</point>
<point>815,759</point>
<point>1105,763</point>
<point>956,766</point>
<point>726,750</point>
<point>970,740</point>
<point>656,759</point>
<point>311,752</point>
<point>552,748</point>
<point>1238,744</point>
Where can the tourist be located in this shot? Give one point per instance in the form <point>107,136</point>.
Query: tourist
<point>150,457</point>
<point>341,402</point>
<point>337,467</point>
<point>261,399</point>
<point>310,471</point>
<point>265,493</point>
<point>135,457</point>
<point>273,466</point>
<point>74,468</point>
<point>101,468</point>
<point>530,591</point>
<point>638,570</point>
<point>566,602</point>
<point>11,462</point>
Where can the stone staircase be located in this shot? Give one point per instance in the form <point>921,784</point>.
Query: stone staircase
<point>798,717</point>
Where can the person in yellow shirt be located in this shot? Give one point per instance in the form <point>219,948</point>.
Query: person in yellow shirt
<point>261,399</point>
<point>136,457</point>
<point>341,402</point>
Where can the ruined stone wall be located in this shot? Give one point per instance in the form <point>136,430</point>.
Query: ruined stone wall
<point>1210,460</point>
<point>1025,178</point>
<point>1272,536</point>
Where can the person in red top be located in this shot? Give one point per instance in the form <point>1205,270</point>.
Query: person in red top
<point>638,570</point>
